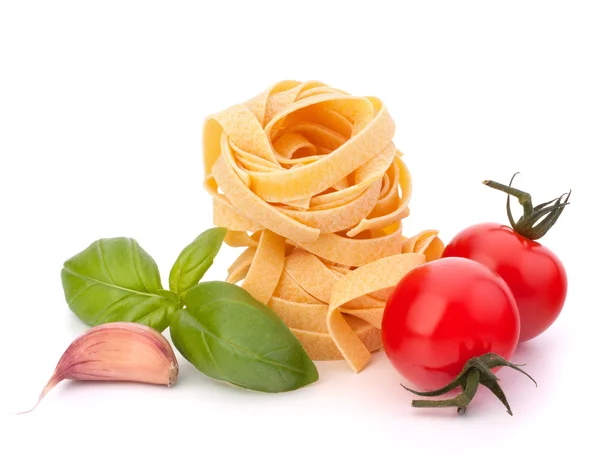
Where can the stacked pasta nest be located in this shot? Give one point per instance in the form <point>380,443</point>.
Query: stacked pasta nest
<point>306,178</point>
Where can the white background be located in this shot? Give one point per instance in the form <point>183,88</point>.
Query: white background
<point>101,108</point>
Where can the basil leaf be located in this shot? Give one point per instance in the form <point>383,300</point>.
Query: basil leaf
<point>195,259</point>
<point>228,335</point>
<point>114,279</point>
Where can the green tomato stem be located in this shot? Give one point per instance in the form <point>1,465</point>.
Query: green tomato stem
<point>535,221</point>
<point>477,370</point>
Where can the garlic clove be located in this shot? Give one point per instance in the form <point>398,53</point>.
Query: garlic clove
<point>118,351</point>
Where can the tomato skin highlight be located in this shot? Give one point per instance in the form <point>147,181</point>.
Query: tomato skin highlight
<point>535,275</point>
<point>443,313</point>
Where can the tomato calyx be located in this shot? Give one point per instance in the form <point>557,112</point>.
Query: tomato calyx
<point>535,221</point>
<point>477,370</point>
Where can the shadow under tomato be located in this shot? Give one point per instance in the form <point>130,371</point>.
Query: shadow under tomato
<point>536,357</point>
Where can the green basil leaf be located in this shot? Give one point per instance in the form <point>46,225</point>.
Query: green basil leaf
<point>195,259</point>
<point>228,335</point>
<point>114,279</point>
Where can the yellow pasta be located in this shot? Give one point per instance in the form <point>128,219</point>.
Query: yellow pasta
<point>307,178</point>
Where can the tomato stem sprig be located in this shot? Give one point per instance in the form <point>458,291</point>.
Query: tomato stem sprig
<point>535,221</point>
<point>477,370</point>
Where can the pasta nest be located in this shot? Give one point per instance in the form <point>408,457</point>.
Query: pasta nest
<point>306,178</point>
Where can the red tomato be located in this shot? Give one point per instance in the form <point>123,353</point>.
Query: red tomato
<point>443,313</point>
<point>534,274</point>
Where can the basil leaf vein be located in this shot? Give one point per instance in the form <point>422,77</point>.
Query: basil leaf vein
<point>195,259</point>
<point>228,335</point>
<point>114,279</point>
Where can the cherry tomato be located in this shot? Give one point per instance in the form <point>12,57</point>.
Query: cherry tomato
<point>443,313</point>
<point>535,275</point>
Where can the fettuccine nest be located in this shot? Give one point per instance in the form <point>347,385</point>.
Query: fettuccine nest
<point>307,178</point>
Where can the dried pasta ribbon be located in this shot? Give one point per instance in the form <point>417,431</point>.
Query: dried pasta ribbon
<point>306,177</point>
<point>267,265</point>
<point>357,283</point>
